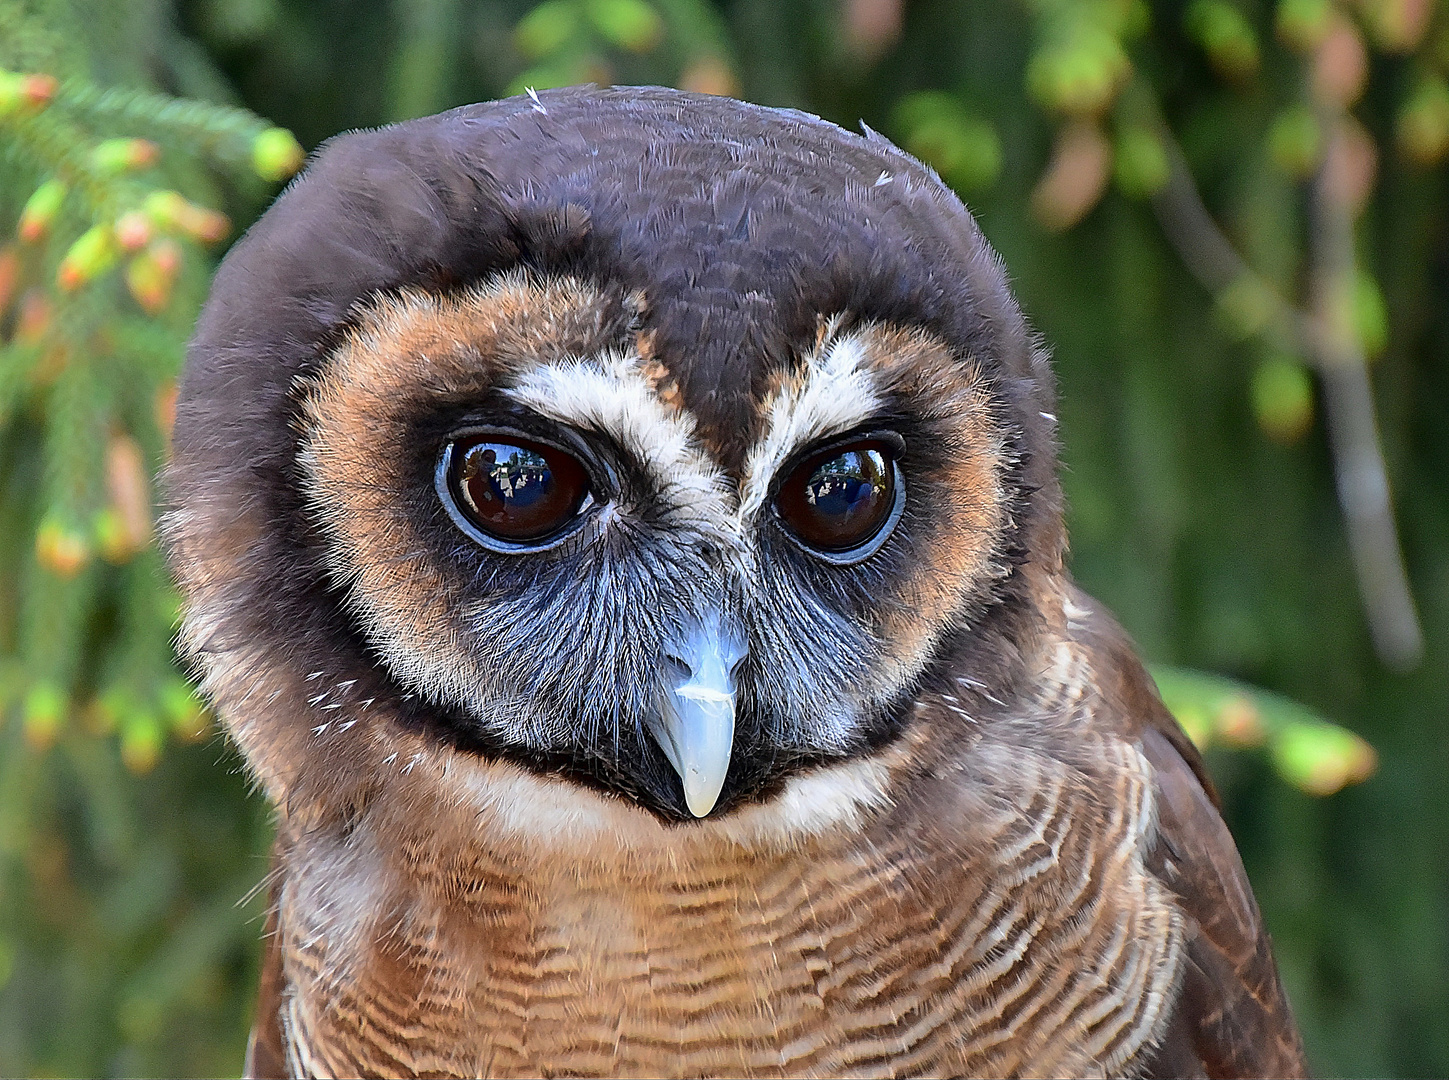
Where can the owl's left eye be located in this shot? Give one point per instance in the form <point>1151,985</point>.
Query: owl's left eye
<point>842,503</point>
<point>513,494</point>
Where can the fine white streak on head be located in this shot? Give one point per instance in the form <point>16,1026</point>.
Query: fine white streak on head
<point>609,394</point>
<point>834,393</point>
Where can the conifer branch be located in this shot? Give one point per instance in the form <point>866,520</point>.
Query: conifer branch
<point>220,131</point>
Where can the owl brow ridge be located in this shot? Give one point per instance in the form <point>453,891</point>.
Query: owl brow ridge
<point>834,391</point>
<point>611,394</point>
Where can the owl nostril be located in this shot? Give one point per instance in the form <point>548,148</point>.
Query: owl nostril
<point>706,650</point>
<point>677,668</point>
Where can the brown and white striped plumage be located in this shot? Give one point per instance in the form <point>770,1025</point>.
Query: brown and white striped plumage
<point>959,834</point>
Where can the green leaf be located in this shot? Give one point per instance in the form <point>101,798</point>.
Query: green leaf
<point>1295,141</point>
<point>548,75</point>
<point>182,708</point>
<point>44,713</point>
<point>1322,758</point>
<point>1245,305</point>
<point>546,28</point>
<point>141,739</point>
<point>1422,127</point>
<point>1308,751</point>
<point>629,24</point>
<point>1079,71</point>
<point>938,129</point>
<point>1226,36</point>
<point>1370,314</point>
<point>1140,164</point>
<point>1282,393</point>
<point>276,154</point>
<point>1303,24</point>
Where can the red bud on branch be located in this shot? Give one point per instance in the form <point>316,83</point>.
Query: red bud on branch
<point>116,156</point>
<point>89,257</point>
<point>40,211</point>
<point>25,93</point>
<point>133,230</point>
<point>172,212</point>
<point>151,275</point>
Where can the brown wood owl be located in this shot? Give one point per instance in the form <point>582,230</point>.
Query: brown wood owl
<point>621,530</point>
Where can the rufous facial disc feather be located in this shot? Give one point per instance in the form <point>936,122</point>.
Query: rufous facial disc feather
<point>620,528</point>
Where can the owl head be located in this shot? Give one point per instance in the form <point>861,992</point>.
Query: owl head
<point>666,444</point>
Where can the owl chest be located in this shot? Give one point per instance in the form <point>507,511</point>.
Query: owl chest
<point>837,966</point>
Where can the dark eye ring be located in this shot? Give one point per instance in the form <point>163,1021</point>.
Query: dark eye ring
<point>511,493</point>
<point>842,503</point>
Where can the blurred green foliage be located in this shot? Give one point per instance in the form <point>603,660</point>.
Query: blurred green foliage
<point>119,880</point>
<point>1199,434</point>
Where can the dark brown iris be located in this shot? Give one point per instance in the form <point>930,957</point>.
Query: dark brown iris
<point>839,499</point>
<point>517,490</point>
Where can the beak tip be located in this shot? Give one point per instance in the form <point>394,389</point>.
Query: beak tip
<point>701,796</point>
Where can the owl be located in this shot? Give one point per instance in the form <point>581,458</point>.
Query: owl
<point>620,529</point>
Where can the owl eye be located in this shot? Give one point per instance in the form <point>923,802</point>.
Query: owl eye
<point>842,503</point>
<point>513,490</point>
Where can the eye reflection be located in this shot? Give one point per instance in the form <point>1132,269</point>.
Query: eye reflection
<point>841,499</point>
<point>517,490</point>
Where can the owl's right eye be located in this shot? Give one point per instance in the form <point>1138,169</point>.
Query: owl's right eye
<point>521,494</point>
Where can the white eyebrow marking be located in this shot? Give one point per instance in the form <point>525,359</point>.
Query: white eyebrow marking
<point>835,393</point>
<point>610,395</point>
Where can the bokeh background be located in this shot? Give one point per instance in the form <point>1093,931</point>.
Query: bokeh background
<point>1228,218</point>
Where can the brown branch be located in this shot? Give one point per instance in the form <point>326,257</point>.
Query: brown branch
<point>1363,484</point>
<point>1211,258</point>
<point>1328,339</point>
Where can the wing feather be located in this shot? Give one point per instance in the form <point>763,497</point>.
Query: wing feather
<point>266,1056</point>
<point>1232,1018</point>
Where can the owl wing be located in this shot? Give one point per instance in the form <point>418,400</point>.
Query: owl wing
<point>266,1057</point>
<point>1232,1017</point>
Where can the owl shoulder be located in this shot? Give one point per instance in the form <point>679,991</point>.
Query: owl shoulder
<point>266,1057</point>
<point>1232,1016</point>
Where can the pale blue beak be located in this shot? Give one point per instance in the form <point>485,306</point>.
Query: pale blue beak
<point>695,726</point>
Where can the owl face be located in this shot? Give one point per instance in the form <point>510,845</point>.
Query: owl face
<point>526,521</point>
<point>673,476</point>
